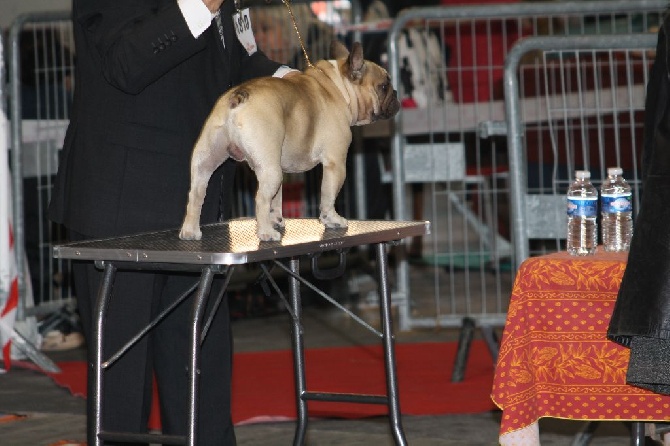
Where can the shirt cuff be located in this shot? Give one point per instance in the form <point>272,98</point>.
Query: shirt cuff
<point>197,16</point>
<point>281,71</point>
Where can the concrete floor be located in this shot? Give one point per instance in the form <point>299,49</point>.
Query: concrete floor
<point>52,414</point>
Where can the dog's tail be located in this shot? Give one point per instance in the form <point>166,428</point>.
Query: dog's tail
<point>238,97</point>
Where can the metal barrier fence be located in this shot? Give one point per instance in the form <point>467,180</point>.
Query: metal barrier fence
<point>41,73</point>
<point>449,151</point>
<point>590,111</point>
<point>22,332</point>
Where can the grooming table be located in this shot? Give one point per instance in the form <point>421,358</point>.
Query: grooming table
<point>223,246</point>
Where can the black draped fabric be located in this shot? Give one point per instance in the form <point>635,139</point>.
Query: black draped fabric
<point>641,317</point>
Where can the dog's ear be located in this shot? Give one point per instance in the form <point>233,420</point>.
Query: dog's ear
<point>338,50</point>
<point>356,61</point>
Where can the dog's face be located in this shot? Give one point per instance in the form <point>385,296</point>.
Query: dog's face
<point>378,98</point>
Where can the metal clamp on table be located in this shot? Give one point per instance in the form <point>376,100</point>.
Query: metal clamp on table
<point>223,246</point>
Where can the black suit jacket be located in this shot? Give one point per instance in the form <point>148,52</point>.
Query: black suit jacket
<point>143,89</point>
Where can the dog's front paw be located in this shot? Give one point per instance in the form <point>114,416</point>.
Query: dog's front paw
<point>188,233</point>
<point>266,232</point>
<point>269,235</point>
<point>278,222</point>
<point>333,220</point>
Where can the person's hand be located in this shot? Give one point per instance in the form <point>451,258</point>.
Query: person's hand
<point>213,5</point>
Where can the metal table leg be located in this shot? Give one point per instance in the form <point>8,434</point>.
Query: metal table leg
<point>391,399</point>
<point>104,293</point>
<point>585,435</point>
<point>199,305</point>
<point>637,434</point>
<point>389,348</point>
<point>298,352</point>
<point>197,313</point>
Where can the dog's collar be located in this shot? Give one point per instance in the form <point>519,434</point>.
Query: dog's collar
<point>339,83</point>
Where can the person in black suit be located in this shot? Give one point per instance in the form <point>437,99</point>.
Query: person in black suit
<point>148,73</point>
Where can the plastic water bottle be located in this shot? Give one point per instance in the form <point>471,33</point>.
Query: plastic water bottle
<point>582,213</point>
<point>616,209</point>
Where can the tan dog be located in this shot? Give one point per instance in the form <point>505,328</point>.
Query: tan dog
<point>290,125</point>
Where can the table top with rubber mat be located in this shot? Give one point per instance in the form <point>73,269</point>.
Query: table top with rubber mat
<point>235,242</point>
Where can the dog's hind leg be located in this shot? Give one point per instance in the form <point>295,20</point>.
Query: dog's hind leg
<point>210,152</point>
<point>333,179</point>
<point>269,183</point>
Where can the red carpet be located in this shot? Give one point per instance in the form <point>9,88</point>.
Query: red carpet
<point>264,388</point>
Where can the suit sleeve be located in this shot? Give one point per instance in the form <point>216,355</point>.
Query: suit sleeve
<point>136,43</point>
<point>258,65</point>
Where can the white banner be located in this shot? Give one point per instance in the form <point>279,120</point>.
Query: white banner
<point>9,293</point>
<point>5,183</point>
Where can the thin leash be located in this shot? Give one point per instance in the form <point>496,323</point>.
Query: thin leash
<point>287,3</point>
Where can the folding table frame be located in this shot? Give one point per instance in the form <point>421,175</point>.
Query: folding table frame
<point>223,246</point>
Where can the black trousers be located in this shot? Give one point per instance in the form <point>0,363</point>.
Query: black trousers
<point>137,297</point>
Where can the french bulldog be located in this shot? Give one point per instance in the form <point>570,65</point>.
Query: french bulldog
<point>290,124</point>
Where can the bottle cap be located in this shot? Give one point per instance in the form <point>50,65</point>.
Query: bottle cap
<point>614,171</point>
<point>582,174</point>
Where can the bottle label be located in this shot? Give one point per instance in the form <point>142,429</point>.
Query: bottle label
<point>616,203</point>
<point>582,207</point>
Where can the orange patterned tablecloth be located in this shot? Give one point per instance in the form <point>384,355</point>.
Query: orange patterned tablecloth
<point>555,359</point>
